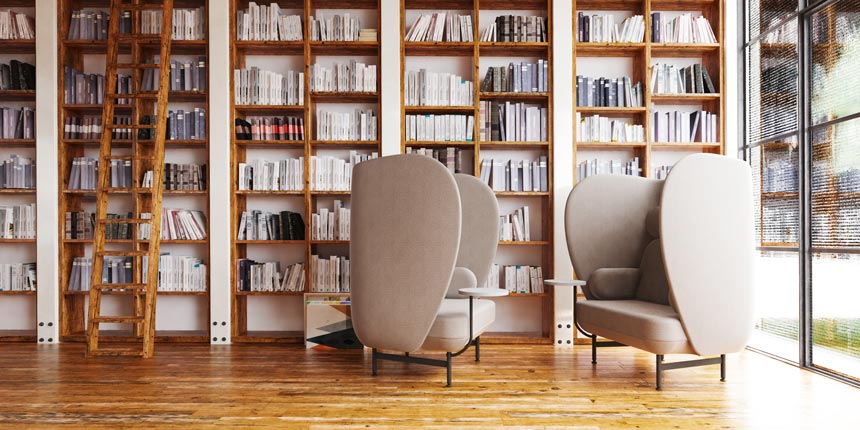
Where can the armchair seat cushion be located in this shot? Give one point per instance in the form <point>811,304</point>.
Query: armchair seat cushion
<point>649,326</point>
<point>450,331</point>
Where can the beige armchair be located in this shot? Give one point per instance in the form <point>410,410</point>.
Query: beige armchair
<point>419,234</point>
<point>668,264</point>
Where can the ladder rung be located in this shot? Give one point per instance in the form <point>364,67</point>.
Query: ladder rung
<point>123,253</point>
<point>125,319</point>
<point>125,221</point>
<point>116,353</point>
<point>120,286</point>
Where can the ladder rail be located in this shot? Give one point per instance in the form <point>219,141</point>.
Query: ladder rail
<point>144,305</point>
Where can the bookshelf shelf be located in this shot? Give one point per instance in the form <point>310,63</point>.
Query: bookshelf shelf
<point>301,56</point>
<point>17,95</point>
<point>17,143</point>
<point>18,46</point>
<point>17,191</point>
<point>608,111</point>
<point>682,5</point>
<point>18,335</point>
<point>88,56</point>
<point>592,49</point>
<point>17,293</point>
<point>684,98</point>
<point>17,241</point>
<point>329,242</point>
<point>610,145</point>
<point>682,49</point>
<point>628,5</point>
<point>683,146</point>
<point>471,60</point>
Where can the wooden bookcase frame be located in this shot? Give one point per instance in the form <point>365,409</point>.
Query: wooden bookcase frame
<point>475,51</point>
<point>13,47</point>
<point>712,56</point>
<point>71,53</point>
<point>239,50</point>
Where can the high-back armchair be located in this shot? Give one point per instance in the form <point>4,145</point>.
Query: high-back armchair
<point>418,235</point>
<point>668,264</point>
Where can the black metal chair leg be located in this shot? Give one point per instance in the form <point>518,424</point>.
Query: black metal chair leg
<point>373,363</point>
<point>593,349</point>
<point>723,367</point>
<point>659,372</point>
<point>448,358</point>
<point>478,348</point>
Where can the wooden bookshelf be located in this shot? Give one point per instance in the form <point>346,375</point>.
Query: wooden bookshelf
<point>302,54</point>
<point>14,326</point>
<point>642,57</point>
<point>81,54</point>
<point>537,252</point>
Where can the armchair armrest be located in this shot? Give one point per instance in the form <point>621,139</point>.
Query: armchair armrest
<point>462,278</point>
<point>613,283</point>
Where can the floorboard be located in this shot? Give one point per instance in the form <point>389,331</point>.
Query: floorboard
<point>188,386</point>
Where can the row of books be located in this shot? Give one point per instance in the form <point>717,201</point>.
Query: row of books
<point>17,75</point>
<point>261,22</point>
<point>698,126</point>
<point>520,77</point>
<point>335,174</point>
<point>517,279</point>
<point>256,276</point>
<point>17,172</point>
<point>607,167</point>
<point>89,88</point>
<point>14,25</point>
<point>329,275</point>
<point>181,125</point>
<point>179,177</point>
<point>18,222</point>
<point>270,128</point>
<point>17,276</point>
<point>661,172</point>
<point>451,157</point>
<point>423,88</point>
<point>334,28</point>
<point>347,77</point>
<point>261,87</point>
<point>90,127</point>
<point>185,75</point>
<point>515,175</point>
<point>17,123</point>
<point>358,125</point>
<point>330,224</point>
<point>684,28</point>
<point>84,174</point>
<point>177,224</point>
<point>602,28</point>
<point>187,24</point>
<point>79,276</point>
<point>519,28</point>
<point>91,25</point>
<point>608,92</point>
<point>120,175</point>
<point>668,79</point>
<point>265,175</point>
<point>440,128</point>
<point>262,225</point>
<point>515,227</point>
<point>512,122</point>
<point>598,128</point>
<point>441,27</point>
<point>80,225</point>
<point>787,33</point>
<point>178,273</point>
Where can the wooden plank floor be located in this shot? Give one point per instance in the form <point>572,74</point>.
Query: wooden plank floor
<point>255,387</point>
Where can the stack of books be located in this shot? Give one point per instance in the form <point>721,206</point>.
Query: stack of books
<point>510,28</point>
<point>598,128</point>
<point>516,226</point>
<point>17,276</point>
<point>515,175</point>
<point>261,225</point>
<point>608,92</point>
<point>441,27</point>
<point>334,174</point>
<point>440,128</point>
<point>260,87</point>
<point>352,77</point>
<point>177,224</point>
<point>359,125</point>
<point>261,22</point>
<point>264,175</point>
<point>423,88</point>
<point>17,172</point>
<point>14,25</point>
<point>607,167</point>
<point>18,222</point>
<point>367,35</point>
<point>520,77</point>
<point>270,128</point>
<point>329,275</point>
<point>451,157</point>
<point>330,224</point>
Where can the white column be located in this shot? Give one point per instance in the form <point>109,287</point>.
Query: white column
<point>562,87</point>
<point>220,130</point>
<point>390,40</point>
<point>47,212</point>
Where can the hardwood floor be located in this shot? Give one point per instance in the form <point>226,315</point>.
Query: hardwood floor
<point>188,386</point>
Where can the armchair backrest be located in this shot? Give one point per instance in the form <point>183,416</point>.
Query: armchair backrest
<point>405,235</point>
<point>605,222</point>
<point>706,228</point>
<point>479,237</point>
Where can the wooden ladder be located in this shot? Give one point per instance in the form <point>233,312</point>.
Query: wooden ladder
<point>147,200</point>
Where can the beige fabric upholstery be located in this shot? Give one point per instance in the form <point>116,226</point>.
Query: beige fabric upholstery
<point>706,225</point>
<point>462,278</point>
<point>647,326</point>
<point>405,233</point>
<point>692,241</point>
<point>450,331</point>
<point>613,283</point>
<point>605,222</point>
<point>480,233</point>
